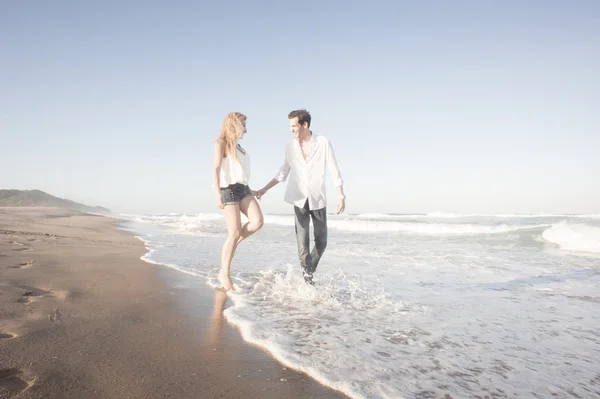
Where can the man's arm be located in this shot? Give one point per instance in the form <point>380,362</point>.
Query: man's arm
<point>337,178</point>
<point>266,188</point>
<point>282,174</point>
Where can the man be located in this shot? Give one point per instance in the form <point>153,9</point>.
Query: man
<point>306,158</point>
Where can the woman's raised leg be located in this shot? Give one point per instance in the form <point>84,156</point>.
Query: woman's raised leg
<point>250,207</point>
<point>234,229</point>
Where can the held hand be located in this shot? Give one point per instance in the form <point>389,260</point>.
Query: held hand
<point>220,203</point>
<point>341,206</point>
<point>260,193</point>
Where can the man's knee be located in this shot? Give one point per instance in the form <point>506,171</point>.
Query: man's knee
<point>303,245</point>
<point>303,248</point>
<point>321,243</point>
<point>321,238</point>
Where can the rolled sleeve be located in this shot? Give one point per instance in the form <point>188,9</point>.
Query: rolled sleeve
<point>283,172</point>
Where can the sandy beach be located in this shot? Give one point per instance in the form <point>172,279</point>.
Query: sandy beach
<point>81,316</point>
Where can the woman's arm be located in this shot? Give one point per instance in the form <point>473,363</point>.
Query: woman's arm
<point>219,150</point>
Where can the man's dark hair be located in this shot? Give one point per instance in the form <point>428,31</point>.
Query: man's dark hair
<point>302,115</point>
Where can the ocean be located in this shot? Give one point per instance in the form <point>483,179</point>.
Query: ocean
<point>412,306</point>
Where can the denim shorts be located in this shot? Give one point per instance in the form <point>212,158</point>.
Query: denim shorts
<point>234,193</point>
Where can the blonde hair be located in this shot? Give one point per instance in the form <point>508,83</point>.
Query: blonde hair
<point>231,131</point>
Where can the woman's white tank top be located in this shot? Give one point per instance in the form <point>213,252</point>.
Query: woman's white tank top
<point>235,170</point>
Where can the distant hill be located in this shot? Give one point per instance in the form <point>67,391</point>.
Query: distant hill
<point>40,198</point>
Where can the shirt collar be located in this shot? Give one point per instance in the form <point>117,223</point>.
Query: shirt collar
<point>313,138</point>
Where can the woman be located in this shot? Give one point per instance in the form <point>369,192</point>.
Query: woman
<point>231,175</point>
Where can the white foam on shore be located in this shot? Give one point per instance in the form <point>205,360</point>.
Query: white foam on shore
<point>147,258</point>
<point>298,323</point>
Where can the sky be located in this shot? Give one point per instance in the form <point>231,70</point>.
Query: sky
<point>431,106</point>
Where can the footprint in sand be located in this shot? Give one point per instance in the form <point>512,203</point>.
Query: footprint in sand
<point>22,265</point>
<point>34,292</point>
<point>55,317</point>
<point>14,381</point>
<point>31,292</point>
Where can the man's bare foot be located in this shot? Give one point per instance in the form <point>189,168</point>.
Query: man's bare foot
<point>226,282</point>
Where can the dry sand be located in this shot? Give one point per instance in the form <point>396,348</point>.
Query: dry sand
<point>81,316</point>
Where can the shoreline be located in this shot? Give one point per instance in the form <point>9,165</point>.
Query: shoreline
<point>84,316</point>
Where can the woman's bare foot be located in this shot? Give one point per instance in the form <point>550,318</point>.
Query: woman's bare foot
<point>226,282</point>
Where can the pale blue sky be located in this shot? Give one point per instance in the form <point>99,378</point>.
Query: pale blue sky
<point>452,106</point>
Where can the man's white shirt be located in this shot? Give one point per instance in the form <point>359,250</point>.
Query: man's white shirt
<point>307,176</point>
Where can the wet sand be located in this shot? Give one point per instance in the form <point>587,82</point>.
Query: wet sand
<point>81,316</point>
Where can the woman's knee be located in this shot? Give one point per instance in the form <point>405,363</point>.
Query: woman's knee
<point>234,234</point>
<point>259,221</point>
